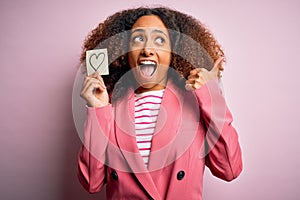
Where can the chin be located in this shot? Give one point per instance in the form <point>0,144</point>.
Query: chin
<point>146,87</point>
<point>147,84</point>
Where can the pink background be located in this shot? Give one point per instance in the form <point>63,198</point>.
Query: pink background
<point>40,48</point>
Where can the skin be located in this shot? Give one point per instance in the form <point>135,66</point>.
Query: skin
<point>149,41</point>
<point>200,76</point>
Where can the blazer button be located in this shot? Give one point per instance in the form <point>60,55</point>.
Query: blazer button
<point>114,175</point>
<point>180,175</point>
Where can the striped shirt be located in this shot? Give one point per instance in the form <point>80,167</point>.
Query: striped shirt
<point>146,109</point>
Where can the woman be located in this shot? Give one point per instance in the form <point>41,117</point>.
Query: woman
<point>160,116</point>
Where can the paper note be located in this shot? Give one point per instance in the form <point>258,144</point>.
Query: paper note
<point>97,61</point>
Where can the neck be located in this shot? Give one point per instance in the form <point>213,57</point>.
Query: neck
<point>143,89</point>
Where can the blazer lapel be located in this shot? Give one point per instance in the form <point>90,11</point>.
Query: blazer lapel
<point>169,118</point>
<point>176,128</point>
<point>126,140</point>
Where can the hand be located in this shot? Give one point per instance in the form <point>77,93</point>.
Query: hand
<point>94,91</point>
<point>200,76</point>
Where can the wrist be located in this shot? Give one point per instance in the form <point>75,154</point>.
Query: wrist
<point>96,105</point>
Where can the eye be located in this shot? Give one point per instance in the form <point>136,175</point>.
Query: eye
<point>160,40</point>
<point>137,39</point>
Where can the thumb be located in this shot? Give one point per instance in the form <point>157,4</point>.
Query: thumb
<point>217,64</point>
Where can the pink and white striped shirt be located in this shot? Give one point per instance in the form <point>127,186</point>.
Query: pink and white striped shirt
<point>147,106</point>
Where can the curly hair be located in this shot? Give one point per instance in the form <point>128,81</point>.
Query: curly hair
<point>192,44</point>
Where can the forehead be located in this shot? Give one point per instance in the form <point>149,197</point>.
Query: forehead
<point>149,21</point>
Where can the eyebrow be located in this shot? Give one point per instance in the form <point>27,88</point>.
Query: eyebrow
<point>143,30</point>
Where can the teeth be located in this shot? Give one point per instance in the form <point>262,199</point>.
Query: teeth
<point>148,62</point>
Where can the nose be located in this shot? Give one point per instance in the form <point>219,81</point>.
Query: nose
<point>147,52</point>
<point>148,49</point>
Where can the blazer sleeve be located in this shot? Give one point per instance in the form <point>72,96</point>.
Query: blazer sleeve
<point>223,152</point>
<point>91,156</point>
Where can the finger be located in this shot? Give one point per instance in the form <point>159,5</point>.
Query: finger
<point>86,91</point>
<point>197,85</point>
<point>194,71</point>
<point>101,80</point>
<point>93,89</point>
<point>102,85</point>
<point>194,86</point>
<point>91,85</point>
<point>99,84</point>
<point>87,79</point>
<point>190,81</point>
<point>200,75</point>
<point>90,80</point>
<point>94,75</point>
<point>217,64</point>
<point>194,76</point>
<point>202,69</point>
<point>189,87</point>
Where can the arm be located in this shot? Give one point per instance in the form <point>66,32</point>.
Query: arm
<point>91,157</point>
<point>224,157</point>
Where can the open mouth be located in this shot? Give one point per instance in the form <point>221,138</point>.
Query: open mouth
<point>147,68</point>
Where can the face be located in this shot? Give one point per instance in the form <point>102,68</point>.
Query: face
<point>150,53</point>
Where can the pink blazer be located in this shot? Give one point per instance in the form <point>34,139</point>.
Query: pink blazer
<point>193,130</point>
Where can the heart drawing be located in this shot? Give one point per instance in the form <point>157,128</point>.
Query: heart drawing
<point>96,60</point>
